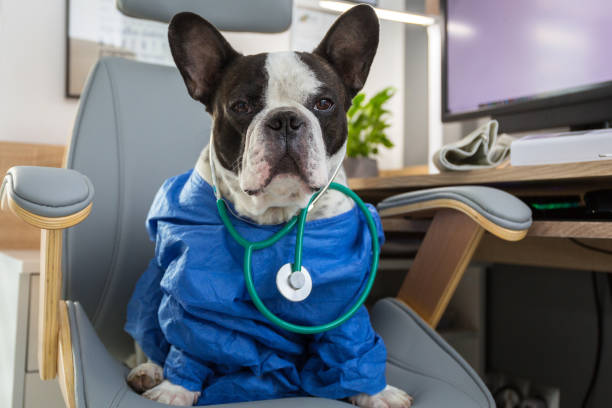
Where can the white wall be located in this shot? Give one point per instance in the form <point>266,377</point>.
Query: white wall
<point>32,70</point>
<point>33,107</point>
<point>388,69</point>
<point>254,43</point>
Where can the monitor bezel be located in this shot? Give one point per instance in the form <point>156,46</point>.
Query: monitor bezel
<point>580,100</point>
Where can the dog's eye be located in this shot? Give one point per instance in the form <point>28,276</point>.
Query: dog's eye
<point>241,107</point>
<point>324,104</point>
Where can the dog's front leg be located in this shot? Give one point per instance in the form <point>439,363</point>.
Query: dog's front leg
<point>389,397</point>
<point>145,376</point>
<point>171,394</point>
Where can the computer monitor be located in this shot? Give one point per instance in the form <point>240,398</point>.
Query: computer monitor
<point>531,64</point>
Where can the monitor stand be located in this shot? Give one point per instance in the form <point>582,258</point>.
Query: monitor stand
<point>591,126</point>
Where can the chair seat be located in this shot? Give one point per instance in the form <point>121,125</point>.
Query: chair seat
<point>429,392</point>
<point>420,362</point>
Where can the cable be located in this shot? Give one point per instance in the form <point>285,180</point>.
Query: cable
<point>598,308</point>
<point>592,248</point>
<point>600,322</point>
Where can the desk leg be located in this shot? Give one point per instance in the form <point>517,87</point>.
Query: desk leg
<point>444,255</point>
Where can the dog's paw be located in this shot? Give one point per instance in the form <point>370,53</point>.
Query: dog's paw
<point>145,376</point>
<point>390,397</point>
<point>171,394</point>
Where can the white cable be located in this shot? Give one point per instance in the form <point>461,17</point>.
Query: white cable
<point>324,189</point>
<point>213,175</point>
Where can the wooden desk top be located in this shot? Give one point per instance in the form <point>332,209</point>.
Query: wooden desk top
<point>14,233</point>
<point>569,178</point>
<point>545,244</point>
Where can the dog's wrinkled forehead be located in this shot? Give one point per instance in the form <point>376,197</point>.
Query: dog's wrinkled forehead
<point>290,80</point>
<point>278,78</point>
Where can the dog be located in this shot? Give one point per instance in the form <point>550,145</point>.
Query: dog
<point>279,132</point>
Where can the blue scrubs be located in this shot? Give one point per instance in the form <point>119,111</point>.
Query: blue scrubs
<point>191,313</point>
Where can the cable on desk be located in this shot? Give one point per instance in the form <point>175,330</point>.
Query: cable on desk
<point>591,247</point>
<point>597,287</point>
<point>600,316</point>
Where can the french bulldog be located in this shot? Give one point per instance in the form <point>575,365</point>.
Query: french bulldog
<point>279,132</point>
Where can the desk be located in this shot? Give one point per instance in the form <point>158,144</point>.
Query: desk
<point>20,383</point>
<point>554,179</point>
<point>14,233</point>
<point>546,243</point>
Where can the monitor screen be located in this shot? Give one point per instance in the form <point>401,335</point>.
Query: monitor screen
<point>501,52</point>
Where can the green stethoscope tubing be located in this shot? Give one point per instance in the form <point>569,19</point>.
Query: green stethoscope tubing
<point>300,220</point>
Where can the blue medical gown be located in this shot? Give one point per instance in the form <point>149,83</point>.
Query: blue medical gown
<point>191,313</point>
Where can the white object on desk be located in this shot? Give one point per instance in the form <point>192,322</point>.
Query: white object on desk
<point>556,148</point>
<point>20,384</point>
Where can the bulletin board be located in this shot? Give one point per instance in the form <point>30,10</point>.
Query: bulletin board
<point>95,28</point>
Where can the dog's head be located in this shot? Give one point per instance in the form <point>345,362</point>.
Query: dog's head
<point>279,118</point>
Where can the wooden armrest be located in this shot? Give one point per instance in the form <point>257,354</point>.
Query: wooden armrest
<point>427,207</point>
<point>50,254</point>
<point>48,223</point>
<point>460,217</point>
<point>65,361</point>
<point>496,211</point>
<point>47,197</point>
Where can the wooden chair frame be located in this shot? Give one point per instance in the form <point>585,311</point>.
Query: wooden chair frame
<point>54,341</point>
<point>444,254</point>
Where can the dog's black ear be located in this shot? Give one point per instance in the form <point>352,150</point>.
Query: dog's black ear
<point>350,46</point>
<point>200,53</point>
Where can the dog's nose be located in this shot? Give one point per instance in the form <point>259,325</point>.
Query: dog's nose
<point>285,121</point>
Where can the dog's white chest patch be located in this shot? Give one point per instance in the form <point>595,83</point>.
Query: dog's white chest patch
<point>290,80</point>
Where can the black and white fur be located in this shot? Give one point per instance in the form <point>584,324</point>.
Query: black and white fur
<point>279,131</point>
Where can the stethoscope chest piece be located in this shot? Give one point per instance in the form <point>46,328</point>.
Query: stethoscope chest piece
<point>294,286</point>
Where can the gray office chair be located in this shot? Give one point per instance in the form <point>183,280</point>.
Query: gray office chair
<point>137,126</point>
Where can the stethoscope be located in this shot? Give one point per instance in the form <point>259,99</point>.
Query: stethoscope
<point>293,280</point>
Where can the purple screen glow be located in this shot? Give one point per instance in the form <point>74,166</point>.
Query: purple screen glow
<point>500,50</point>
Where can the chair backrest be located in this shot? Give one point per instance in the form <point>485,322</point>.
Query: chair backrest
<point>136,127</point>
<point>261,16</point>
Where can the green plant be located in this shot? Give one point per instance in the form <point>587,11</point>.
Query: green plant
<point>367,124</point>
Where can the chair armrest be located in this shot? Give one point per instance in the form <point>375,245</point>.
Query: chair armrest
<point>47,197</point>
<point>462,214</point>
<point>51,199</point>
<point>496,211</point>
